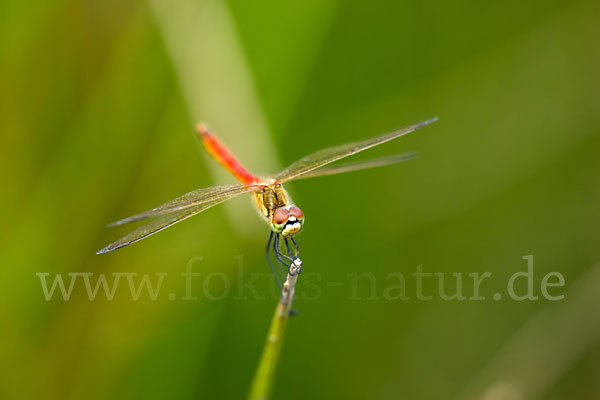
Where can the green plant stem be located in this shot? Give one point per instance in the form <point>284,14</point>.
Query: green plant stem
<point>265,373</point>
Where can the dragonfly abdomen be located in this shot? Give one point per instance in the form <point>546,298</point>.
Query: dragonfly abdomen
<point>224,156</point>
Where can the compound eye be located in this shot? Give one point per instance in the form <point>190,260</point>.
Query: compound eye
<point>280,216</point>
<point>296,212</point>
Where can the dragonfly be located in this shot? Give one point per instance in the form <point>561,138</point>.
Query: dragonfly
<point>283,216</point>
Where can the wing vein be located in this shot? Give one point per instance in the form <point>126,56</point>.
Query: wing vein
<point>163,221</point>
<point>323,157</point>
<point>191,199</point>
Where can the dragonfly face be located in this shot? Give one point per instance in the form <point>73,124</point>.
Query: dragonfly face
<point>287,221</point>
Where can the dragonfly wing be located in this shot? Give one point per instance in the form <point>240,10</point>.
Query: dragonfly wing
<point>163,221</point>
<point>191,199</point>
<point>339,169</point>
<point>326,156</point>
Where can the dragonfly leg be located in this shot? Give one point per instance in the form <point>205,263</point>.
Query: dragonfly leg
<point>296,246</point>
<point>268,253</point>
<point>279,253</point>
<point>293,262</point>
<point>280,261</point>
<point>287,246</point>
<point>297,262</point>
<point>280,256</point>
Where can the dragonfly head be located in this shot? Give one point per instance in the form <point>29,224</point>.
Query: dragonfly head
<point>287,220</point>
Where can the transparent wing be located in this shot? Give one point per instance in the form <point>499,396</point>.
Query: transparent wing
<point>191,199</point>
<point>339,169</point>
<point>326,156</point>
<point>165,220</point>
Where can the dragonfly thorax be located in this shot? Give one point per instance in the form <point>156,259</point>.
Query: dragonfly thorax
<point>270,198</point>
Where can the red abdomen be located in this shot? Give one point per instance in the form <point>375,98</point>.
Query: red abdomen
<point>224,156</point>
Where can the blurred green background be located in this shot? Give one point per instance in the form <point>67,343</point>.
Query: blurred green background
<point>98,101</point>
